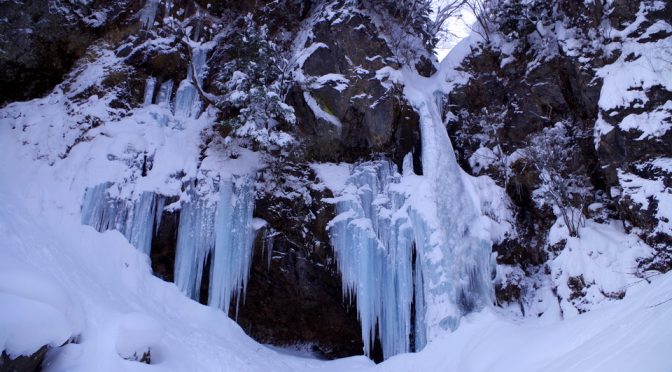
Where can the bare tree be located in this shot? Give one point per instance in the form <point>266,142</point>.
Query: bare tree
<point>444,12</point>
<point>484,11</point>
<point>550,153</point>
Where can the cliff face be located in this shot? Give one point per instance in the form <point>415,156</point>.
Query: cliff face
<point>581,65</point>
<point>276,86</point>
<point>320,57</point>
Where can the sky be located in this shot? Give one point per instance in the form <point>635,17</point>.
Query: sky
<point>460,28</point>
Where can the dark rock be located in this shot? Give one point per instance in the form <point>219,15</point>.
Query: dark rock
<point>164,244</point>
<point>372,115</point>
<point>23,363</point>
<point>41,40</point>
<point>297,298</point>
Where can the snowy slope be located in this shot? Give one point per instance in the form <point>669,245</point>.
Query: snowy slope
<point>97,287</point>
<point>63,282</point>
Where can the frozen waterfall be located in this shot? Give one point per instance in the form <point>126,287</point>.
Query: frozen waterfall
<point>223,232</point>
<point>137,218</point>
<point>215,227</point>
<point>187,103</point>
<point>374,237</point>
<point>384,220</point>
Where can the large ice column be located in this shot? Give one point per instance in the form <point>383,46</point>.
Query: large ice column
<point>222,231</point>
<point>405,251</point>
<point>195,241</point>
<point>187,103</point>
<point>458,265</point>
<point>234,240</point>
<point>165,92</point>
<point>148,13</point>
<point>136,218</point>
<point>374,241</point>
<point>149,91</point>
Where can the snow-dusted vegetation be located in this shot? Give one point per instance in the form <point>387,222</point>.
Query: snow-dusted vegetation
<point>299,185</point>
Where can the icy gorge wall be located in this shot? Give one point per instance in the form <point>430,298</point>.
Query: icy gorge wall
<point>309,168</point>
<point>589,81</point>
<point>192,129</point>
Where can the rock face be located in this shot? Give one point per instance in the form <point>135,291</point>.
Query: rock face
<point>563,62</point>
<point>344,111</point>
<point>41,40</point>
<point>23,363</point>
<point>556,64</point>
<point>294,297</point>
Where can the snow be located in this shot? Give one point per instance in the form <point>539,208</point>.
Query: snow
<point>642,191</point>
<point>605,258</point>
<point>67,280</point>
<point>319,112</point>
<point>339,82</point>
<point>63,282</point>
<point>633,335</point>
<point>628,79</point>
<point>651,124</point>
<point>334,176</point>
<point>107,286</point>
<point>138,333</point>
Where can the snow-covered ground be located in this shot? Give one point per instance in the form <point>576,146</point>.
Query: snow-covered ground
<point>62,282</point>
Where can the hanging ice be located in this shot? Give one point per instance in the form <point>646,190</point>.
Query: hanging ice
<point>136,218</point>
<point>148,13</point>
<point>187,103</point>
<point>165,91</point>
<point>149,91</point>
<point>375,242</point>
<point>458,267</point>
<point>234,239</point>
<point>399,251</point>
<point>221,231</point>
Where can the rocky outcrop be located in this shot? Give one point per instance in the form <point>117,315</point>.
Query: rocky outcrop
<point>41,40</point>
<point>294,297</point>
<point>23,363</point>
<point>344,110</point>
<point>560,61</point>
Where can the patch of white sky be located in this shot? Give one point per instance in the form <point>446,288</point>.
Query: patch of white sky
<point>458,27</point>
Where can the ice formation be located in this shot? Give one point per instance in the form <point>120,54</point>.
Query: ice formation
<point>165,91</point>
<point>213,227</point>
<point>374,238</point>
<point>405,262</point>
<point>136,219</point>
<point>187,103</point>
<point>223,232</point>
<point>148,13</point>
<point>149,91</point>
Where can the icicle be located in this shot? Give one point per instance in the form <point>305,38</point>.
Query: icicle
<point>187,103</point>
<point>234,241</point>
<point>148,14</point>
<point>195,241</point>
<point>140,226</point>
<point>149,91</point>
<point>165,91</point>
<point>268,247</point>
<point>222,230</point>
<point>133,218</point>
<point>373,240</point>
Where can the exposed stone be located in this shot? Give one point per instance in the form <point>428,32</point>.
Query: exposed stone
<point>298,299</point>
<point>371,116</point>
<point>41,40</point>
<point>23,363</point>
